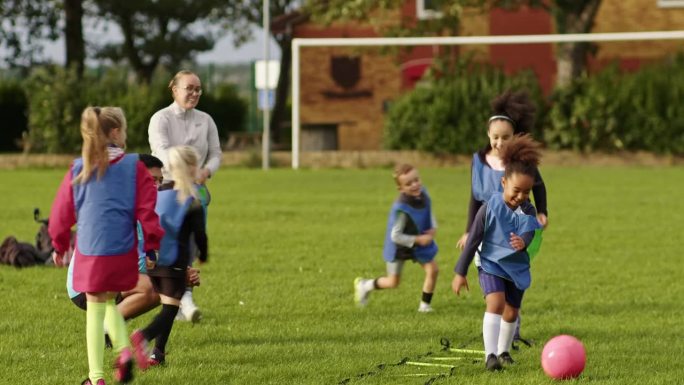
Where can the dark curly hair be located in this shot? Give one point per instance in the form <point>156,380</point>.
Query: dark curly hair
<point>518,107</point>
<point>521,155</point>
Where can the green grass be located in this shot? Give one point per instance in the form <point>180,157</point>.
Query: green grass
<point>285,247</point>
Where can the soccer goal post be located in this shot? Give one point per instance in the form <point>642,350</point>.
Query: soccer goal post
<point>298,43</point>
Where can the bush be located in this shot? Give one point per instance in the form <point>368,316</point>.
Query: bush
<point>13,109</point>
<point>58,96</point>
<point>449,114</point>
<point>615,111</point>
<point>55,106</point>
<point>226,107</point>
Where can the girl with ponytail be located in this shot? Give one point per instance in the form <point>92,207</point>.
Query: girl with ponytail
<point>182,217</point>
<point>105,192</point>
<point>503,228</point>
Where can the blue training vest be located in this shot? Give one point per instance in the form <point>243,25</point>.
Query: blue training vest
<point>105,209</point>
<point>423,221</point>
<point>497,256</point>
<point>171,216</point>
<point>485,180</point>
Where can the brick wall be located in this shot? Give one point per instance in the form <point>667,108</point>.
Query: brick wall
<point>359,118</point>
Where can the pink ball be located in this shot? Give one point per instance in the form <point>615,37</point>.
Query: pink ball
<point>563,357</point>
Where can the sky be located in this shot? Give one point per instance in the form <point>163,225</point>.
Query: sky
<point>223,52</point>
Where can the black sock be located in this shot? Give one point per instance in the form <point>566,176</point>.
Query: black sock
<point>160,341</point>
<point>161,323</point>
<point>427,297</point>
<point>375,284</point>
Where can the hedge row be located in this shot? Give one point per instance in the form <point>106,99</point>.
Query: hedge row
<point>48,105</point>
<point>608,111</point>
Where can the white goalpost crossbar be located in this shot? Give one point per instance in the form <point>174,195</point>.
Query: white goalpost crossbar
<point>297,43</point>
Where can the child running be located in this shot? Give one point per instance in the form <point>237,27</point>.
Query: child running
<point>503,228</point>
<point>410,236</point>
<point>142,297</point>
<point>181,215</point>
<point>512,114</point>
<point>105,193</point>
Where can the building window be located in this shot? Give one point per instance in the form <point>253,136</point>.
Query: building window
<point>429,9</point>
<point>671,3</point>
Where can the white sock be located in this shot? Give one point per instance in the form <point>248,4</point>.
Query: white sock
<point>506,336</point>
<point>368,284</point>
<point>187,298</point>
<point>491,324</point>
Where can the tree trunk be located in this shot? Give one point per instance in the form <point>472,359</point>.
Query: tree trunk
<point>571,62</point>
<point>73,35</point>
<point>282,89</point>
<point>571,58</point>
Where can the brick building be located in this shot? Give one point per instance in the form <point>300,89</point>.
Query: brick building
<point>345,91</point>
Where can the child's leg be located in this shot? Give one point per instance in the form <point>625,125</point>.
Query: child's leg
<point>166,316</point>
<point>431,272</point>
<point>95,315</point>
<point>509,321</point>
<point>116,326</point>
<point>363,287</point>
<point>508,324</point>
<point>491,324</point>
<point>139,300</point>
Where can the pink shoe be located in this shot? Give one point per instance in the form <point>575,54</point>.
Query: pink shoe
<point>156,358</point>
<point>123,367</point>
<point>140,349</point>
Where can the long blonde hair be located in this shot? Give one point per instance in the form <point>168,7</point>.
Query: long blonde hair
<point>96,124</point>
<point>182,161</point>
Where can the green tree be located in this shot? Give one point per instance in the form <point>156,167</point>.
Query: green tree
<point>242,16</point>
<point>570,16</point>
<point>73,35</point>
<point>163,33</point>
<point>25,25</point>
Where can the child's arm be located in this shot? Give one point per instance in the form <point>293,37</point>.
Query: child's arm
<point>407,240</point>
<point>475,237</point>
<point>539,192</point>
<point>62,218</point>
<point>146,200</point>
<point>473,207</point>
<point>196,218</point>
<point>520,242</point>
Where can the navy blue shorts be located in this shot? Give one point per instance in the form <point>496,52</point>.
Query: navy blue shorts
<point>491,283</point>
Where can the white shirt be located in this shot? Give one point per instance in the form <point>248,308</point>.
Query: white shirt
<point>175,126</point>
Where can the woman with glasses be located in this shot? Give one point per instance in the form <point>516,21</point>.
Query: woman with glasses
<point>181,124</point>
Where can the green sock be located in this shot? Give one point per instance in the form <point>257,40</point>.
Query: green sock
<point>95,315</point>
<point>116,326</point>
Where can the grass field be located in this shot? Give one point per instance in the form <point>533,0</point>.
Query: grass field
<point>285,247</point>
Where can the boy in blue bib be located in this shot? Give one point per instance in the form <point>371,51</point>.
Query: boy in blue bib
<point>409,236</point>
<point>503,228</point>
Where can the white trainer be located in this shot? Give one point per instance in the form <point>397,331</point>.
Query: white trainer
<point>360,294</point>
<point>179,316</point>
<point>192,314</point>
<point>188,308</point>
<point>425,308</point>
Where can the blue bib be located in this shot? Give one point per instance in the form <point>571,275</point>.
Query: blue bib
<point>485,180</point>
<point>423,221</point>
<point>171,216</point>
<point>496,255</point>
<point>105,209</point>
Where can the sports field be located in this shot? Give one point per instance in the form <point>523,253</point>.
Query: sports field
<point>285,246</point>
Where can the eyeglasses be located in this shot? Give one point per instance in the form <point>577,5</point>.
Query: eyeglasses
<point>191,89</point>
